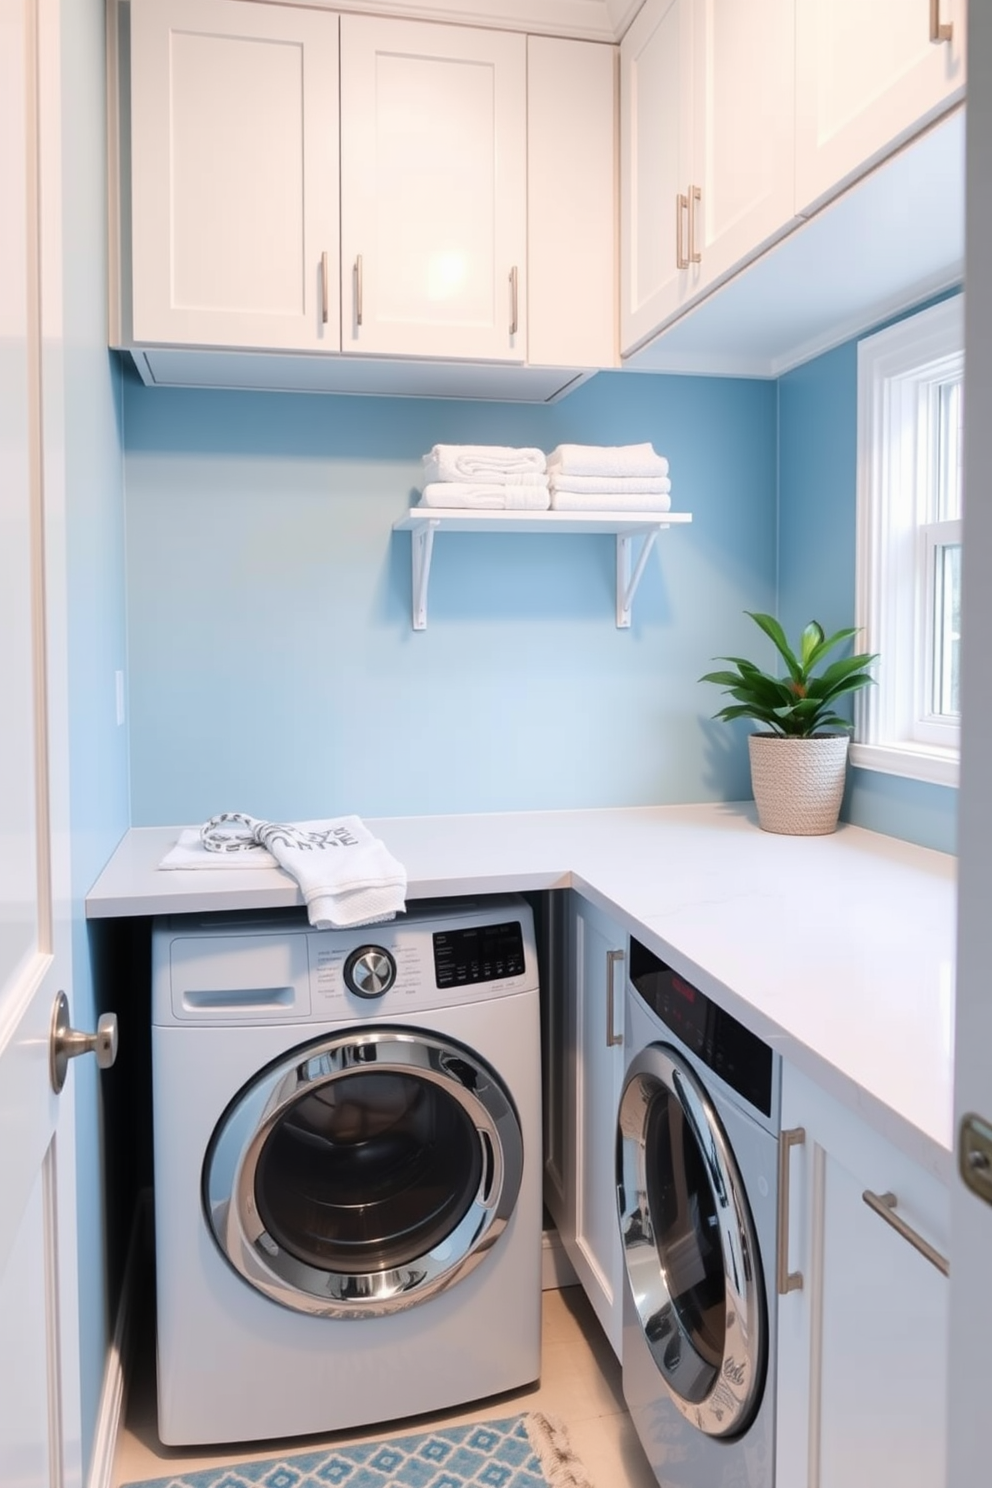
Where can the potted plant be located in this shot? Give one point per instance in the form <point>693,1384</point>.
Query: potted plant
<point>798,759</point>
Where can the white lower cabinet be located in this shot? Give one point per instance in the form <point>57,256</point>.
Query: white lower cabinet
<point>862,1337</point>
<point>585,1206</point>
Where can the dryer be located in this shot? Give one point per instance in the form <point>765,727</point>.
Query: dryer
<point>697,1186</point>
<point>347,1147</point>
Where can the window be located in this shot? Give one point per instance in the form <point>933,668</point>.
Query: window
<point>910,402</point>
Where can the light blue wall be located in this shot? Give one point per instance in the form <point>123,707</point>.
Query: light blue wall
<point>817,536</point>
<point>273,668</point>
<point>95,561</point>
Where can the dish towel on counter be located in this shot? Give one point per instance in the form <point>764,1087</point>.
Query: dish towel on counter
<point>630,460</point>
<point>347,876</point>
<point>493,463</point>
<point>485,495</point>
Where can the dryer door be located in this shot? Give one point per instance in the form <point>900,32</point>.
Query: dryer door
<point>689,1245</point>
<point>361,1174</point>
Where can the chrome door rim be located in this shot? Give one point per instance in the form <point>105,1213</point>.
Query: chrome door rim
<point>232,1159</point>
<point>728,1406</point>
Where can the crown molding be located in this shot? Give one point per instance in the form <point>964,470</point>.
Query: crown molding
<point>583,20</point>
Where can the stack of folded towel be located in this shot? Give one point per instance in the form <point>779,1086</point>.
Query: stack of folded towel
<point>488,476</point>
<point>592,477</point>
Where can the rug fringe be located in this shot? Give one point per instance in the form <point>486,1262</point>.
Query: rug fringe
<point>553,1449</point>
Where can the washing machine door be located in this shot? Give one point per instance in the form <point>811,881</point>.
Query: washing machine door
<point>689,1245</point>
<point>362,1173</point>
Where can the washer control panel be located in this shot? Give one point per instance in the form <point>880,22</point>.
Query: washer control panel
<point>369,971</point>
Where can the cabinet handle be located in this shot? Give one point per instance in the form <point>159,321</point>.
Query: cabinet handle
<point>695,195</point>
<point>612,1038</point>
<point>884,1205</point>
<point>358,290</point>
<point>785,1280</point>
<point>513,301</point>
<point>681,205</point>
<point>324,289</point>
<point>939,30</point>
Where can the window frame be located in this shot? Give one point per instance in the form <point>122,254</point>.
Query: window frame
<point>900,370</point>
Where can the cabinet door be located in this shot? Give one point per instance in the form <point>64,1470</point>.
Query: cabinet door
<point>592,1239</point>
<point>571,203</point>
<point>867,77</point>
<point>234,175</point>
<point>742,188</point>
<point>433,190</point>
<point>655,166</point>
<point>863,1342</point>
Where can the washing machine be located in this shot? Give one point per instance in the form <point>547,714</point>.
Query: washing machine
<point>697,1185</point>
<point>347,1148</point>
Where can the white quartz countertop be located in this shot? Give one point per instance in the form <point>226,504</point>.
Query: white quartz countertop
<point>838,950</point>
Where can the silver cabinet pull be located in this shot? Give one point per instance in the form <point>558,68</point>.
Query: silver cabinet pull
<point>939,30</point>
<point>681,205</point>
<point>612,1038</point>
<point>695,195</point>
<point>324,289</point>
<point>884,1205</point>
<point>513,300</point>
<point>785,1280</point>
<point>358,290</point>
<point>68,1043</point>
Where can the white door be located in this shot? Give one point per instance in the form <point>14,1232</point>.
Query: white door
<point>742,190</point>
<point>971,1219</point>
<point>433,190</point>
<point>39,1365</point>
<point>234,175</point>
<point>867,77</point>
<point>655,167</point>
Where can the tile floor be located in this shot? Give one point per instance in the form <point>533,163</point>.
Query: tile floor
<point>580,1383</point>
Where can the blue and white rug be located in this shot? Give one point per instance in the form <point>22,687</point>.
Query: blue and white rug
<point>525,1451</point>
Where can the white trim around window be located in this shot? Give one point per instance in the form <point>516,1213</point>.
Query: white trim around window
<point>908,543</point>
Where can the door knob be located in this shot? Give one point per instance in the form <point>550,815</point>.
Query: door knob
<point>67,1042</point>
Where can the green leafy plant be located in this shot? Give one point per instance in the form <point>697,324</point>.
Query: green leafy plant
<point>800,704</point>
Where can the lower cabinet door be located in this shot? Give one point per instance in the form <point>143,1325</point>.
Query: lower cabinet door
<point>863,1334</point>
<point>591,1235</point>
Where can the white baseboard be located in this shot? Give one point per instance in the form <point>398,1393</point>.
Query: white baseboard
<point>113,1395</point>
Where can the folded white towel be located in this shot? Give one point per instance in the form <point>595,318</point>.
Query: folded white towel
<point>605,501</point>
<point>347,876</point>
<point>189,852</point>
<point>489,462</point>
<point>482,494</point>
<point>601,459</point>
<point>657,485</point>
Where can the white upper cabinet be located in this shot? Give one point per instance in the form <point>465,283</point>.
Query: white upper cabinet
<point>655,165</point>
<point>571,202</point>
<point>433,190</point>
<point>867,77</point>
<point>706,148</point>
<point>741,192</point>
<point>234,175</point>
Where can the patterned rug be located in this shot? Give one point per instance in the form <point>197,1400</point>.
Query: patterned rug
<point>526,1451</point>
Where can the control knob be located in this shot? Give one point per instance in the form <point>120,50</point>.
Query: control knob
<point>369,971</point>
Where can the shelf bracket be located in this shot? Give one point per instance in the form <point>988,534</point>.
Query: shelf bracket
<point>421,549</point>
<point>628,581</point>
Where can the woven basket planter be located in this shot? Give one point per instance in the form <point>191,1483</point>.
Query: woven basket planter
<point>798,783</point>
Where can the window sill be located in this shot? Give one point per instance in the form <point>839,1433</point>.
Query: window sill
<point>938,766</point>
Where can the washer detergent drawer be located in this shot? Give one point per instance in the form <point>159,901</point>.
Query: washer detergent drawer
<point>216,979</point>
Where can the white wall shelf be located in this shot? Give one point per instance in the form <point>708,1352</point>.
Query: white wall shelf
<point>423,522</point>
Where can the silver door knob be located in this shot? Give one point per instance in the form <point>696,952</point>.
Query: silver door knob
<point>67,1042</point>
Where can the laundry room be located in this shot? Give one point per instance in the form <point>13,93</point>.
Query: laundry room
<point>242,635</point>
